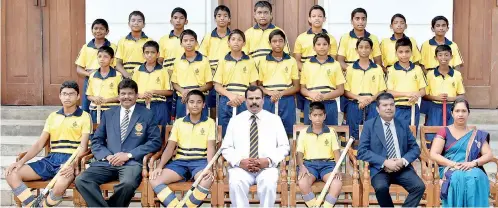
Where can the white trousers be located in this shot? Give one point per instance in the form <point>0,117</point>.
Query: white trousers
<point>240,181</point>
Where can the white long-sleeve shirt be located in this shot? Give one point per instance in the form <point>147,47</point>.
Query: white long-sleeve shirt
<point>272,139</point>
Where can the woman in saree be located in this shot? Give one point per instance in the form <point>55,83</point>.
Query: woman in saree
<point>461,152</point>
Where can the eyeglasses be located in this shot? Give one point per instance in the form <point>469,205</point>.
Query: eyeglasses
<point>72,94</point>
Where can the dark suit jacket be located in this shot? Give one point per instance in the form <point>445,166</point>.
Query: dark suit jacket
<point>373,148</point>
<point>142,137</point>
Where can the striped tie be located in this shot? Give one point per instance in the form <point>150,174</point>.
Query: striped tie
<point>391,150</point>
<point>124,124</point>
<point>254,138</point>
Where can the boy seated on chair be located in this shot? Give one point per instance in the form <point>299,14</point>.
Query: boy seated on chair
<point>317,155</point>
<point>65,129</point>
<point>194,135</point>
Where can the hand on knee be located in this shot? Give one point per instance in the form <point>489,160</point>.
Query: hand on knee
<point>305,185</point>
<point>207,182</point>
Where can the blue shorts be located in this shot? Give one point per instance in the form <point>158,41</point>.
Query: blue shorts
<point>286,111</point>
<point>319,168</point>
<point>160,111</point>
<point>48,166</point>
<point>211,99</point>
<point>187,168</point>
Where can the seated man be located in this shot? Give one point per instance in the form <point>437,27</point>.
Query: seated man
<point>195,137</point>
<point>390,148</point>
<point>254,144</point>
<point>125,135</point>
<point>65,129</point>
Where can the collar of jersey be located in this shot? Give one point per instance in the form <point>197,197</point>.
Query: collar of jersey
<point>353,35</point>
<point>203,118</point>
<point>315,60</point>
<point>311,31</point>
<point>214,34</point>
<point>142,68</point>
<point>269,57</point>
<point>397,66</point>
<point>172,34</point>
<point>271,26</point>
<point>112,73</point>
<point>198,57</point>
<point>228,57</point>
<point>142,35</point>
<point>325,129</point>
<point>91,44</point>
<point>394,39</point>
<point>451,72</point>
<point>433,42</point>
<point>356,65</point>
<point>76,113</point>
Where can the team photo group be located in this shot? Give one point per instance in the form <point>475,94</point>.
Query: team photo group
<point>235,98</point>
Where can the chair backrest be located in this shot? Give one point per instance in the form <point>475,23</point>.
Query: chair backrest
<point>424,130</point>
<point>413,129</point>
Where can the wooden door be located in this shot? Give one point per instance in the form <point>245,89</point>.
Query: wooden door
<point>291,16</point>
<point>63,35</point>
<point>476,33</point>
<point>21,49</point>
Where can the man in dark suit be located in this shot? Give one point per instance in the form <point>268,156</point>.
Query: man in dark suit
<point>125,135</point>
<point>390,148</point>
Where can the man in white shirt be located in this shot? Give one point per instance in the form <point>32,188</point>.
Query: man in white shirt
<point>390,148</point>
<point>254,144</point>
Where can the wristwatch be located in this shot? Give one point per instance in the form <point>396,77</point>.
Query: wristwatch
<point>129,155</point>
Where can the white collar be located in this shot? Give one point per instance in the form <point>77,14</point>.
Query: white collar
<point>384,122</point>
<point>132,108</point>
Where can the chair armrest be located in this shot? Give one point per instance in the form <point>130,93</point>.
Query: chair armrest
<point>20,156</point>
<point>495,161</point>
<point>366,171</point>
<point>145,170</point>
<point>426,167</point>
<point>153,160</point>
<point>219,168</point>
<point>354,163</point>
<point>79,158</point>
<point>283,170</point>
<point>84,160</point>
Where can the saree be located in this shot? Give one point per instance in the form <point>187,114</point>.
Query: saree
<point>466,188</point>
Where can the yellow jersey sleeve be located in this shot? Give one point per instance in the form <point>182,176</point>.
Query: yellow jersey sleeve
<point>212,130</point>
<point>298,46</point>
<point>333,46</point>
<point>247,47</point>
<point>390,78</point>
<point>253,71</point>
<point>136,76</point>
<point>174,77</point>
<point>87,127</point>
<point>46,128</point>
<point>120,51</point>
<point>174,135</point>
<point>81,60</point>
<point>166,83</point>
<point>381,82</point>
<point>204,47</point>
<point>163,47</point>
<point>460,89</point>
<point>349,79</point>
<point>304,74</point>
<point>422,82</point>
<point>457,57</point>
<point>343,45</point>
<point>89,89</point>
<point>300,141</point>
<point>294,70</point>
<point>208,75</point>
<point>218,75</point>
<point>262,68</point>
<point>416,56</point>
<point>376,47</point>
<point>425,54</point>
<point>334,142</point>
<point>338,76</point>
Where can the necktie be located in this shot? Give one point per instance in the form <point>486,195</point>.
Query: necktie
<point>124,124</point>
<point>253,153</point>
<point>391,150</point>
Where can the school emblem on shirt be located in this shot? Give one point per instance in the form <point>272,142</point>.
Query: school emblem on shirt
<point>453,84</point>
<point>138,129</point>
<point>286,70</point>
<point>75,124</point>
<point>158,81</point>
<point>202,131</point>
<point>326,142</point>
<point>111,86</point>
<point>373,78</point>
<point>244,70</point>
<point>197,71</point>
<point>328,71</point>
<point>415,77</point>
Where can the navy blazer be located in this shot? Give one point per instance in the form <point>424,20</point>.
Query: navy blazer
<point>373,148</point>
<point>142,136</point>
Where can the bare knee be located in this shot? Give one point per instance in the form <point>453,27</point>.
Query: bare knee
<point>154,182</point>
<point>305,184</point>
<point>13,179</point>
<point>61,185</point>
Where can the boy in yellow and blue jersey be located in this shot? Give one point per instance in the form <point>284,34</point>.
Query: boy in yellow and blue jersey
<point>440,26</point>
<point>279,78</point>
<point>65,129</point>
<point>235,73</point>
<point>170,44</point>
<point>257,45</point>
<point>444,84</point>
<point>153,83</point>
<point>87,61</point>
<point>190,71</point>
<point>406,82</point>
<point>322,80</point>
<point>318,153</point>
<point>215,47</point>
<point>398,25</point>
<point>129,54</point>
<point>194,139</point>
<point>303,48</point>
<point>103,83</point>
<point>364,82</point>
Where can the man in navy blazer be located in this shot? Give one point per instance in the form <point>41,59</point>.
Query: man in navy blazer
<point>125,135</point>
<point>390,148</point>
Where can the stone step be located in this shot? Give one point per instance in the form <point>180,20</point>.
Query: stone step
<point>13,145</point>
<point>22,127</point>
<point>27,112</point>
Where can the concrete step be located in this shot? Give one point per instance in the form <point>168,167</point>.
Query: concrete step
<point>13,145</point>
<point>27,112</point>
<point>22,127</point>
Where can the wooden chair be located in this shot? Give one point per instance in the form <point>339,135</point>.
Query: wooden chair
<point>222,184</point>
<point>350,181</point>
<point>397,190</point>
<point>493,185</point>
<point>106,187</point>
<point>181,187</point>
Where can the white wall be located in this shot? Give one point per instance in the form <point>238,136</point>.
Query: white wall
<point>157,15</point>
<point>418,16</point>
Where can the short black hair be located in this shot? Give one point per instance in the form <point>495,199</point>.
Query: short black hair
<point>317,106</point>
<point>106,49</point>
<point>263,4</point>
<point>127,83</point>
<point>317,7</point>
<point>100,22</point>
<point>358,10</point>
<point>277,32</point>
<point>179,10</point>
<point>383,96</point>
<point>188,32</point>
<point>370,42</point>
<point>196,92</point>
<point>70,84</point>
<point>136,13</point>
<point>321,35</point>
<point>222,8</point>
<point>152,44</point>
<point>398,15</point>
<point>435,19</point>
<point>403,42</point>
<point>441,48</point>
<point>460,100</point>
<point>237,31</point>
<point>253,88</point>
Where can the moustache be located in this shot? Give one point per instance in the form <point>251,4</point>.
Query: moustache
<point>254,105</point>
